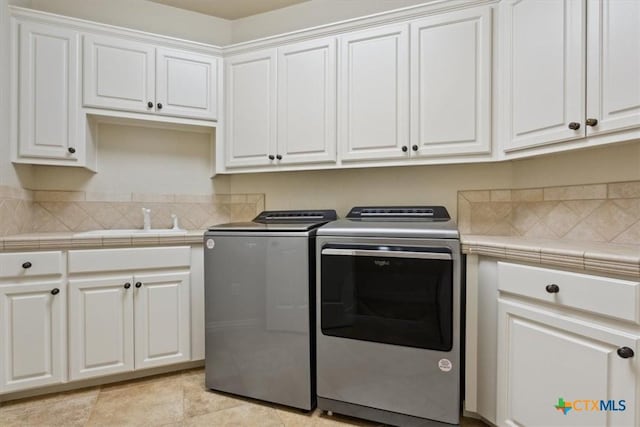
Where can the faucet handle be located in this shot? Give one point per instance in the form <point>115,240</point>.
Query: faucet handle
<point>174,217</point>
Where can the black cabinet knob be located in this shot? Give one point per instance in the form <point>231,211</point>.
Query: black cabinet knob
<point>552,289</point>
<point>138,284</point>
<point>414,147</point>
<point>55,291</point>
<point>279,157</point>
<point>625,352</point>
<point>574,125</point>
<point>159,106</point>
<point>71,150</point>
<point>591,122</point>
<point>404,148</point>
<point>26,265</point>
<point>271,157</point>
<point>150,104</point>
<point>127,285</point>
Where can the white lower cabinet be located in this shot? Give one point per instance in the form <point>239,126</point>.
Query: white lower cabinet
<point>122,323</point>
<point>162,319</point>
<point>32,335</point>
<point>548,361</point>
<point>100,326</point>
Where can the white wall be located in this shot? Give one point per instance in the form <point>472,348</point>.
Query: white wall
<point>344,189</point>
<point>145,16</point>
<point>310,14</point>
<point>141,160</point>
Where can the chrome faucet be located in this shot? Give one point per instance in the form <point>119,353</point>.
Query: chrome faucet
<point>174,217</point>
<point>147,218</point>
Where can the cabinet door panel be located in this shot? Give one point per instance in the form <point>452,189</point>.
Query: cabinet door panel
<point>544,357</point>
<point>451,83</point>
<point>48,101</point>
<point>613,65</point>
<point>374,94</point>
<point>307,102</point>
<point>187,84</point>
<point>100,327</point>
<point>162,319</point>
<point>118,74</point>
<point>32,336</point>
<point>542,71</point>
<point>251,109</point>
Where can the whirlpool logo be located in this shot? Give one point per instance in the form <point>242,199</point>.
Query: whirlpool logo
<point>587,405</point>
<point>381,263</point>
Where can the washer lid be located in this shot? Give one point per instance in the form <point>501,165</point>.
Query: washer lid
<point>296,220</point>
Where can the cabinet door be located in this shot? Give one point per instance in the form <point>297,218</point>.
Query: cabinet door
<point>613,65</point>
<point>373,110</point>
<point>541,71</point>
<point>307,102</point>
<point>186,84</point>
<point>32,335</point>
<point>100,326</point>
<point>451,83</point>
<point>162,319</point>
<point>251,109</point>
<point>545,359</point>
<point>118,74</point>
<point>48,92</point>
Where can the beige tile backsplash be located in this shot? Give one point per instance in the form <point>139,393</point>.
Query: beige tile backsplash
<point>596,212</point>
<point>23,211</point>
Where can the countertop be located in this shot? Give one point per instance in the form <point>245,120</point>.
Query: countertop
<point>71,240</point>
<point>596,257</point>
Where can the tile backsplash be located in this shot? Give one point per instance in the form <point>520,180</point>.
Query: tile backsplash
<point>23,211</point>
<point>596,212</point>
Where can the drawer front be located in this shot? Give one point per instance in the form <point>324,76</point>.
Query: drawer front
<point>601,295</point>
<point>129,259</point>
<point>30,264</point>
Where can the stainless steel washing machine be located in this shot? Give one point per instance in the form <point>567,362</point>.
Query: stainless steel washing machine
<point>389,316</point>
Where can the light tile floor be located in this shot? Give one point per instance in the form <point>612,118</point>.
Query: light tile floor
<point>177,399</point>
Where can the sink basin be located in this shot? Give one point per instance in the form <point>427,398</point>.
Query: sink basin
<point>132,231</point>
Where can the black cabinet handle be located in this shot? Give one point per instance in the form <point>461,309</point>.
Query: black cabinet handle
<point>574,125</point>
<point>625,352</point>
<point>138,284</point>
<point>150,104</point>
<point>159,106</point>
<point>414,147</point>
<point>591,122</point>
<point>552,289</point>
<point>55,291</point>
<point>71,150</point>
<point>26,265</point>
<point>127,285</point>
<point>271,157</point>
<point>404,148</point>
<point>279,157</point>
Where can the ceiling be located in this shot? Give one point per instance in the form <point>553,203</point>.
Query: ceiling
<point>229,9</point>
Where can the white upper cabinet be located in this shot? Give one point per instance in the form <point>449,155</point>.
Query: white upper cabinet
<point>126,75</point>
<point>542,72</point>
<point>186,84</point>
<point>119,74</point>
<point>48,103</point>
<point>451,83</point>
<point>613,65</point>
<point>374,94</point>
<point>251,109</point>
<point>306,130</point>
